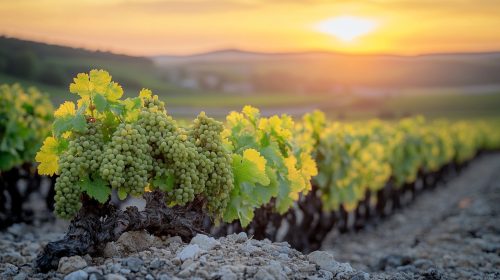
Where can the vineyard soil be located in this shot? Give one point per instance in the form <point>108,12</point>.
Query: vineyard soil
<point>452,232</point>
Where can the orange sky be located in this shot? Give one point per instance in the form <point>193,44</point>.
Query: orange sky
<point>151,27</point>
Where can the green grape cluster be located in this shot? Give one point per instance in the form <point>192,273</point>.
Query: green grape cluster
<point>126,161</point>
<point>83,157</point>
<point>215,164</point>
<point>174,154</point>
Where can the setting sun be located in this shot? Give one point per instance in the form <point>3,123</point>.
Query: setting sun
<point>346,28</point>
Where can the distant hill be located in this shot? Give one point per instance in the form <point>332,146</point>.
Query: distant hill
<point>45,50</point>
<point>52,65</point>
<point>321,71</point>
<point>237,54</point>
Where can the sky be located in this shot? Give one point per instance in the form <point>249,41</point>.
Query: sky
<point>155,27</point>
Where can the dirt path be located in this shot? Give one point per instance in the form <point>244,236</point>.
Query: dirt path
<point>452,232</point>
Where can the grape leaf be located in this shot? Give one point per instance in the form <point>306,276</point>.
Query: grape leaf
<point>110,122</point>
<point>244,142</point>
<point>251,188</point>
<point>245,170</point>
<point>117,108</point>
<point>165,182</point>
<point>62,125</point>
<point>114,91</point>
<point>70,122</point>
<point>95,188</point>
<point>239,208</point>
<point>283,201</point>
<point>132,108</point>
<point>100,102</point>
<point>7,160</point>
<point>79,123</point>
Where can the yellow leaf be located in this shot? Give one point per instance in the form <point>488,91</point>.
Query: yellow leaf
<point>83,101</point>
<point>132,114</point>
<point>145,93</point>
<point>280,126</point>
<point>309,167</point>
<point>114,91</point>
<point>252,113</point>
<point>66,134</point>
<point>297,183</point>
<point>235,119</point>
<point>66,109</point>
<point>263,124</point>
<point>225,134</point>
<point>82,85</point>
<point>287,121</point>
<point>255,157</point>
<point>47,157</point>
<point>48,165</point>
<point>100,80</point>
<point>250,168</point>
<point>275,122</point>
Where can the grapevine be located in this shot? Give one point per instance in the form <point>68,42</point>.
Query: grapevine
<point>105,143</point>
<point>25,117</point>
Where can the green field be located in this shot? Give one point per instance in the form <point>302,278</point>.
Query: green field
<point>455,106</point>
<point>431,105</point>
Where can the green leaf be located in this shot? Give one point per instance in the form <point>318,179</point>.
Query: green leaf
<point>283,201</point>
<point>231,212</point>
<point>245,170</point>
<point>321,180</point>
<point>132,108</point>
<point>79,123</point>
<point>110,123</point>
<point>244,142</point>
<point>132,103</point>
<point>245,215</point>
<point>117,108</point>
<point>272,154</point>
<point>239,208</point>
<point>253,188</point>
<point>100,102</point>
<point>165,182</point>
<point>62,145</point>
<point>7,161</point>
<point>96,188</point>
<point>62,125</point>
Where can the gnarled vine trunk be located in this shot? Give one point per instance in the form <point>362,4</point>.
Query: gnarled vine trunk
<point>96,224</point>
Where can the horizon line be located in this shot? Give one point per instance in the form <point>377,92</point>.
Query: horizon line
<point>246,51</point>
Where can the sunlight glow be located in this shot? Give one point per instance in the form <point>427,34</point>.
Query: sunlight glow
<point>346,28</point>
<point>156,27</point>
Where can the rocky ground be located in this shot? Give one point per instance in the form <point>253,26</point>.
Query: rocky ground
<point>449,233</point>
<point>452,232</point>
<point>138,255</point>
